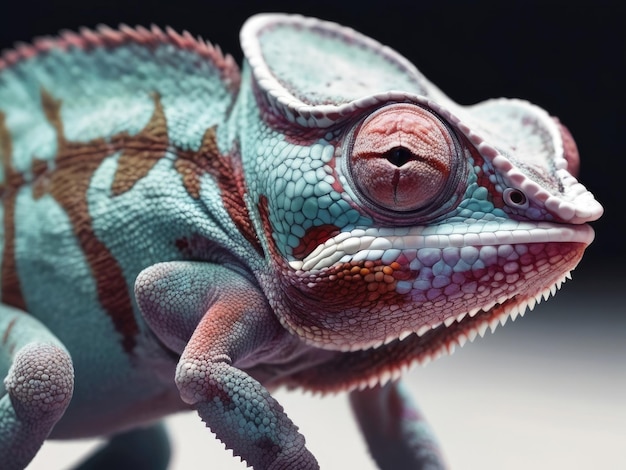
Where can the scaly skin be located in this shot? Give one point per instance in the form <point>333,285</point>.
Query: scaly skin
<point>179,235</point>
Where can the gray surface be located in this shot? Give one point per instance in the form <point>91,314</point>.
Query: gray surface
<point>545,392</point>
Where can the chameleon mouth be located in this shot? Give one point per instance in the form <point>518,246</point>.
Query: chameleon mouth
<point>442,338</point>
<point>384,243</point>
<point>510,270</point>
<point>468,325</point>
<point>391,358</point>
<point>460,328</point>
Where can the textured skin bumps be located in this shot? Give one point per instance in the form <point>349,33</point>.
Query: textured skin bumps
<point>38,385</point>
<point>37,389</point>
<point>179,234</point>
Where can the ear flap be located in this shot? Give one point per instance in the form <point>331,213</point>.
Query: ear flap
<point>314,72</point>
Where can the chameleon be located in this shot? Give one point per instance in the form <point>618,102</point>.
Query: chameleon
<point>182,234</point>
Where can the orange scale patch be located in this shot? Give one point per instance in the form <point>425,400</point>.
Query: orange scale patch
<point>367,280</point>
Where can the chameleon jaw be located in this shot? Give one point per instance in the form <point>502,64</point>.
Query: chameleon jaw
<point>460,328</point>
<point>389,359</point>
<point>430,342</point>
<point>421,292</point>
<point>475,322</point>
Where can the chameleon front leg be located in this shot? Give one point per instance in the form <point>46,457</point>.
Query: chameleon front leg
<point>396,432</point>
<point>38,386</point>
<point>218,319</point>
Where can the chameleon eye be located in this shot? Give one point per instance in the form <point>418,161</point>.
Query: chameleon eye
<point>403,159</point>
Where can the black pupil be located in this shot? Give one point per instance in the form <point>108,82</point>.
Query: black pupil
<point>399,156</point>
<point>517,197</point>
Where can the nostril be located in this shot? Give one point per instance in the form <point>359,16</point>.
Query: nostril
<point>515,198</point>
<point>399,156</point>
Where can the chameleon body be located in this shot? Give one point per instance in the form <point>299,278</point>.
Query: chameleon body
<point>180,235</point>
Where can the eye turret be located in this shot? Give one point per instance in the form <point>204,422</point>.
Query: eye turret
<point>403,159</point>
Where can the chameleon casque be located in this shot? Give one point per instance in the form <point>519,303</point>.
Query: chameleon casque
<point>177,235</point>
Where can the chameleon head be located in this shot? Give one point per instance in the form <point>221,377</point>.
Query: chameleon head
<point>391,211</point>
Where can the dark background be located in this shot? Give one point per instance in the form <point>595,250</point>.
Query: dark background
<point>567,57</point>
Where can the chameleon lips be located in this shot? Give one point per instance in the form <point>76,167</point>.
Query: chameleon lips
<point>377,290</point>
<point>387,243</point>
